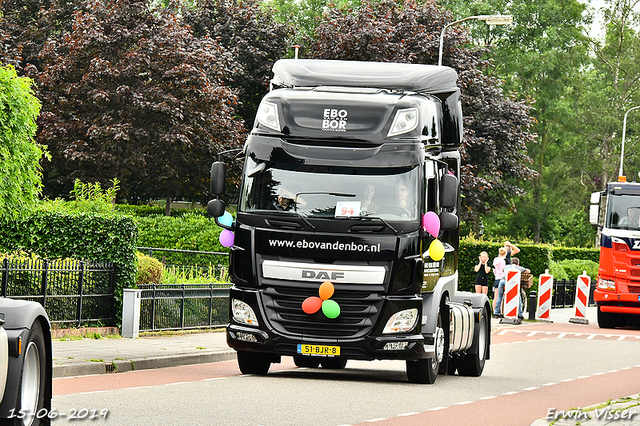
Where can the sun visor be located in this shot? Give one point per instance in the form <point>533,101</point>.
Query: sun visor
<point>383,75</point>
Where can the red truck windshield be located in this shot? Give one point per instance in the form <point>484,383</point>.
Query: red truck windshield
<point>623,211</point>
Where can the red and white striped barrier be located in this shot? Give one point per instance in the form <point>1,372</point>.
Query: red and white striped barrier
<point>512,293</point>
<point>582,298</point>
<point>545,285</point>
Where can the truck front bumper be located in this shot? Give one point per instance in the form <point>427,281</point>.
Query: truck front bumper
<point>404,347</point>
<point>619,303</point>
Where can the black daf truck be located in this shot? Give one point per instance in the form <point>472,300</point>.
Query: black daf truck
<point>346,235</point>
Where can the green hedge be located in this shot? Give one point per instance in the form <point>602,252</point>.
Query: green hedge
<point>191,231</point>
<point>146,210</point>
<point>88,236</point>
<point>536,257</point>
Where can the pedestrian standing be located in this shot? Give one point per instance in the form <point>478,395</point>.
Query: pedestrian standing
<point>512,250</point>
<point>499,264</point>
<point>482,273</point>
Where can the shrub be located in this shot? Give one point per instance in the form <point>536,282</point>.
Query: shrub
<point>575,267</point>
<point>150,270</point>
<point>557,271</point>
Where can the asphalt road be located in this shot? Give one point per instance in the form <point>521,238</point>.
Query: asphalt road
<point>533,368</point>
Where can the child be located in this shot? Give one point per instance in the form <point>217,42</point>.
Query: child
<point>482,273</point>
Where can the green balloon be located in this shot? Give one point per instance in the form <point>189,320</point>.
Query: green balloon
<point>330,308</point>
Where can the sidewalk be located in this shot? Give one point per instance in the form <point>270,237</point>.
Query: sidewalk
<point>110,355</point>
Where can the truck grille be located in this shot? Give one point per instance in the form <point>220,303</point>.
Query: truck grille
<point>358,313</point>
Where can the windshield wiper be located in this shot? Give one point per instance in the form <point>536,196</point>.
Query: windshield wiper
<point>371,216</point>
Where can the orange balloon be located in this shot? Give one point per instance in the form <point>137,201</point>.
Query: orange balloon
<point>311,305</point>
<point>326,290</point>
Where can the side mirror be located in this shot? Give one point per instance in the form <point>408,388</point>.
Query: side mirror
<point>448,191</point>
<point>448,221</point>
<point>215,208</point>
<point>594,213</point>
<point>218,178</point>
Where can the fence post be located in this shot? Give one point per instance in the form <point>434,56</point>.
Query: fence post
<point>153,308</point>
<point>80,288</point>
<point>45,274</point>
<point>113,276</point>
<point>210,303</point>
<point>5,276</point>
<point>182,308</point>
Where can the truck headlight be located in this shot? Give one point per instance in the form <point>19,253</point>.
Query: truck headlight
<point>405,121</point>
<point>401,322</point>
<point>268,115</point>
<point>606,285</point>
<point>243,312</point>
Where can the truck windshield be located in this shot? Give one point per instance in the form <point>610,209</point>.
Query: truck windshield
<point>330,192</point>
<point>623,212</point>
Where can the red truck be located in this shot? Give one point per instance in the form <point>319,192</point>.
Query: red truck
<point>617,292</point>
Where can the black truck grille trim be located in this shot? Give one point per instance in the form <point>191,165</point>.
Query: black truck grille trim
<point>358,313</point>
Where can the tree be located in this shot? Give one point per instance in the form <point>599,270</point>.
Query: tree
<point>497,126</point>
<point>541,57</point>
<point>131,94</point>
<point>253,38</point>
<point>26,25</point>
<point>19,153</point>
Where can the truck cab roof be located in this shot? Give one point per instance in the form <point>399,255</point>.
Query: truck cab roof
<point>430,79</point>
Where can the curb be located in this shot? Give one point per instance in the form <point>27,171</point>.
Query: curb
<point>121,365</point>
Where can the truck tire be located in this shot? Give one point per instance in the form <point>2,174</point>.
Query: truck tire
<point>31,389</point>
<point>334,363</point>
<point>472,365</point>
<point>606,319</point>
<point>253,363</point>
<point>425,371</point>
<point>306,361</point>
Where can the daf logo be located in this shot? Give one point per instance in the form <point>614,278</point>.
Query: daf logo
<point>322,275</point>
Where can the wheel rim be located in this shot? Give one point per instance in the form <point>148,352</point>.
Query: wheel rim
<point>439,340</point>
<point>30,382</point>
<point>482,340</point>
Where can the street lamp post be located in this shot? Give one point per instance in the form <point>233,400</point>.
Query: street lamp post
<point>624,131</point>
<point>488,19</point>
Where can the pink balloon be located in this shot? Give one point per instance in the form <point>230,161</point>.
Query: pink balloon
<point>226,238</point>
<point>431,223</point>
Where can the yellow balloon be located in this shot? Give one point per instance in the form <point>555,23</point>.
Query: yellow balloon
<point>436,250</point>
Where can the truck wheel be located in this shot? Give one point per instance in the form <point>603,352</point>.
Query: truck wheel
<point>606,319</point>
<point>253,362</point>
<point>306,361</point>
<point>426,370</point>
<point>32,378</point>
<point>334,363</point>
<point>472,365</point>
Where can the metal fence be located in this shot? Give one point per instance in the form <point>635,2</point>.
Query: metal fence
<point>183,306</point>
<point>71,291</point>
<point>564,293</point>
<point>206,257</point>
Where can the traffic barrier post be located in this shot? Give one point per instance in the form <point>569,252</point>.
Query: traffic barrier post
<point>582,298</point>
<point>545,286</point>
<point>512,296</point>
